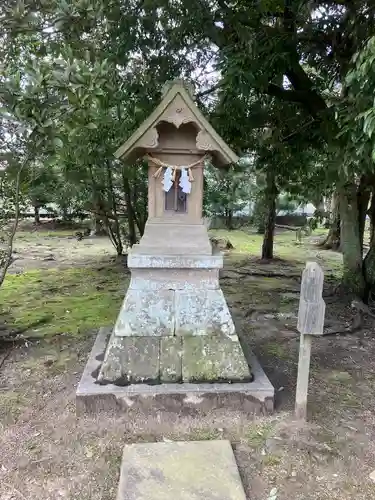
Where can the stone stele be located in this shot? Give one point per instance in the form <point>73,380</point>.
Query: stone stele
<point>174,290</point>
<point>180,470</point>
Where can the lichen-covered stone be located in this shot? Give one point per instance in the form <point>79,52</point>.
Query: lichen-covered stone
<point>214,359</point>
<point>170,359</point>
<point>146,313</point>
<point>144,261</point>
<point>202,313</point>
<point>175,279</point>
<point>220,244</point>
<point>180,470</point>
<point>130,360</point>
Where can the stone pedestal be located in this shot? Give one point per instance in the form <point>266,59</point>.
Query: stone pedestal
<point>174,324</point>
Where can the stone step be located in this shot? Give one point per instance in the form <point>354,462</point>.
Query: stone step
<point>195,470</point>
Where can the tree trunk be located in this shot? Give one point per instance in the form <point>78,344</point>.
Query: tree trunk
<point>114,231</point>
<point>229,219</point>
<point>139,198</point>
<point>97,228</point>
<point>363,198</point>
<point>353,279</point>
<point>65,214</point>
<point>36,215</point>
<point>271,198</point>
<point>332,241</point>
<point>369,260</point>
<point>371,214</point>
<point>129,209</point>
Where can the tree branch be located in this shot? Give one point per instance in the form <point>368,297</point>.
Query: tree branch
<point>287,95</point>
<point>9,250</point>
<point>203,93</point>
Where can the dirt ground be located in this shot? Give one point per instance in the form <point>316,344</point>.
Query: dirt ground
<point>49,453</point>
<point>57,249</point>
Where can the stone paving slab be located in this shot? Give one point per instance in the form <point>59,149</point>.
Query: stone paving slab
<point>195,470</point>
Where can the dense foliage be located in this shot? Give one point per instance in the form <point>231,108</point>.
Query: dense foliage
<point>288,83</point>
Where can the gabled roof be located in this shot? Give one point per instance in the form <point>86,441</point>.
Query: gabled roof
<point>177,99</point>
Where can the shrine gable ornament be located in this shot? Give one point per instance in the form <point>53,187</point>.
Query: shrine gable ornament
<point>179,109</point>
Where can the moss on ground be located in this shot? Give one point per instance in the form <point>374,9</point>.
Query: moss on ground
<point>77,299</point>
<point>68,301</point>
<point>246,242</point>
<point>44,233</point>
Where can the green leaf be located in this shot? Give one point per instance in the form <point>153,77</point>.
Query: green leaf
<point>92,126</point>
<point>58,142</point>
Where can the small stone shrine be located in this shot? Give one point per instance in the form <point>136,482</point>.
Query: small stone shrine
<point>174,325</point>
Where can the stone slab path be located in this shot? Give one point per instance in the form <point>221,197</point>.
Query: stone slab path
<point>193,470</point>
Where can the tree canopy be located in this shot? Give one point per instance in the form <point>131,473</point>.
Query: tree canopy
<point>289,83</point>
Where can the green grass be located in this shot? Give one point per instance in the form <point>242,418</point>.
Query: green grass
<point>257,434</point>
<point>204,435</point>
<point>68,301</point>
<point>276,350</point>
<point>43,233</point>
<point>271,460</point>
<point>76,300</point>
<point>248,243</point>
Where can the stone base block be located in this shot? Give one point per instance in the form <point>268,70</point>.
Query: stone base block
<point>151,402</point>
<point>214,359</point>
<point>203,313</point>
<point>137,260</point>
<point>154,360</point>
<point>174,279</point>
<point>174,238</point>
<point>155,313</point>
<point>146,312</point>
<point>131,360</point>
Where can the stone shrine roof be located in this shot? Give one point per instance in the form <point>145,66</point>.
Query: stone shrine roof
<point>177,107</point>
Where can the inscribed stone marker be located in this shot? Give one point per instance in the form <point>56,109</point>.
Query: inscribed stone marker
<point>310,322</point>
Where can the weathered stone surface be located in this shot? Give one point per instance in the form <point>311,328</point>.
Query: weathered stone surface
<point>174,279</point>
<point>311,306</point>
<point>136,259</point>
<point>220,244</point>
<point>193,310</point>
<point>214,359</point>
<point>180,470</point>
<point>203,313</point>
<point>178,238</point>
<point>130,360</point>
<point>146,313</point>
<point>170,359</point>
<point>171,402</point>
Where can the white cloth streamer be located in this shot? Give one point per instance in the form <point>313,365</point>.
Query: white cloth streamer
<point>167,179</point>
<point>185,183</point>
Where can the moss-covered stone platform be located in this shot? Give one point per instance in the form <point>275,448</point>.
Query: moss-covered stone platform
<point>155,360</point>
<point>192,397</point>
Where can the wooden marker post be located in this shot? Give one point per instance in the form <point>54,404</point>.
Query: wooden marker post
<point>310,322</point>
